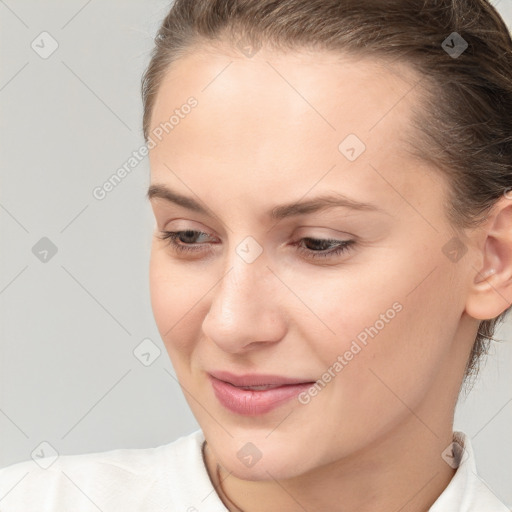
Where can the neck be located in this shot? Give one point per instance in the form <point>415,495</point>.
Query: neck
<point>402,471</point>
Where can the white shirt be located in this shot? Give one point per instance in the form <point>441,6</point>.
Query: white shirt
<point>171,477</point>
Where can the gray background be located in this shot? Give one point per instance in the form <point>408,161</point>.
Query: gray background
<point>69,326</point>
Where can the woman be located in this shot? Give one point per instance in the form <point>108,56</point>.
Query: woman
<point>330,183</point>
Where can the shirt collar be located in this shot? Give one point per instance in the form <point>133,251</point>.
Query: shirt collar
<point>466,492</point>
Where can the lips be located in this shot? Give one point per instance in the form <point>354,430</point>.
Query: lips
<point>254,379</point>
<point>255,394</point>
<point>260,388</point>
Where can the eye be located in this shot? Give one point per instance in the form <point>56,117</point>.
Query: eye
<point>340,246</point>
<point>173,239</point>
<point>186,242</point>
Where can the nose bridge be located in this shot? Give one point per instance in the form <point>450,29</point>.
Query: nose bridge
<point>245,273</point>
<point>242,310</point>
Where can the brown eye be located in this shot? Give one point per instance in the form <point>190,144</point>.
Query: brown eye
<point>183,241</point>
<point>340,246</point>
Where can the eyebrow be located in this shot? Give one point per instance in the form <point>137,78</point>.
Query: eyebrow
<point>316,204</point>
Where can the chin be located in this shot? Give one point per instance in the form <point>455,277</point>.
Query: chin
<point>267,462</point>
<point>262,471</point>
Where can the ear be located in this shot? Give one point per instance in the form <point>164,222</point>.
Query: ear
<point>490,292</point>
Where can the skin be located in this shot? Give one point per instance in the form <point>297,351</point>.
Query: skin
<point>266,132</point>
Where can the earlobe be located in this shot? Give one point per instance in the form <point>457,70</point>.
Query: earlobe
<point>491,290</point>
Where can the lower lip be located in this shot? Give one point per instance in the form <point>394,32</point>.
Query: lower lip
<point>251,402</point>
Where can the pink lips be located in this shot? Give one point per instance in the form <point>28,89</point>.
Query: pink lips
<point>229,390</point>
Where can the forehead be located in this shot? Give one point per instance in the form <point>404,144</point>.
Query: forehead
<point>277,120</point>
<point>340,90</point>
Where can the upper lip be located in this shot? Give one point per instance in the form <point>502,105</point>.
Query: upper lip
<point>255,379</point>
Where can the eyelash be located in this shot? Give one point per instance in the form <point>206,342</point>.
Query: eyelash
<point>343,245</point>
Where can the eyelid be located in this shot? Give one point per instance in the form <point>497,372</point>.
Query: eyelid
<point>339,246</point>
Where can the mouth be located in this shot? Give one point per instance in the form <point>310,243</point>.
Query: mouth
<point>252,395</point>
<point>253,380</point>
<point>260,388</point>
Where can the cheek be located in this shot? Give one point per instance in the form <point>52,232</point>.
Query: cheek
<point>174,301</point>
<point>394,330</point>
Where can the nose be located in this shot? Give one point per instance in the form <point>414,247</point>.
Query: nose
<point>244,313</point>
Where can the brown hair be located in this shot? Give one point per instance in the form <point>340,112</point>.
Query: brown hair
<point>466,116</point>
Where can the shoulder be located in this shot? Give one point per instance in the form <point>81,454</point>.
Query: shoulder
<point>124,479</point>
<point>467,491</point>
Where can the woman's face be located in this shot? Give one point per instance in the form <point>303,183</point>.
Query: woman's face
<point>380,325</point>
